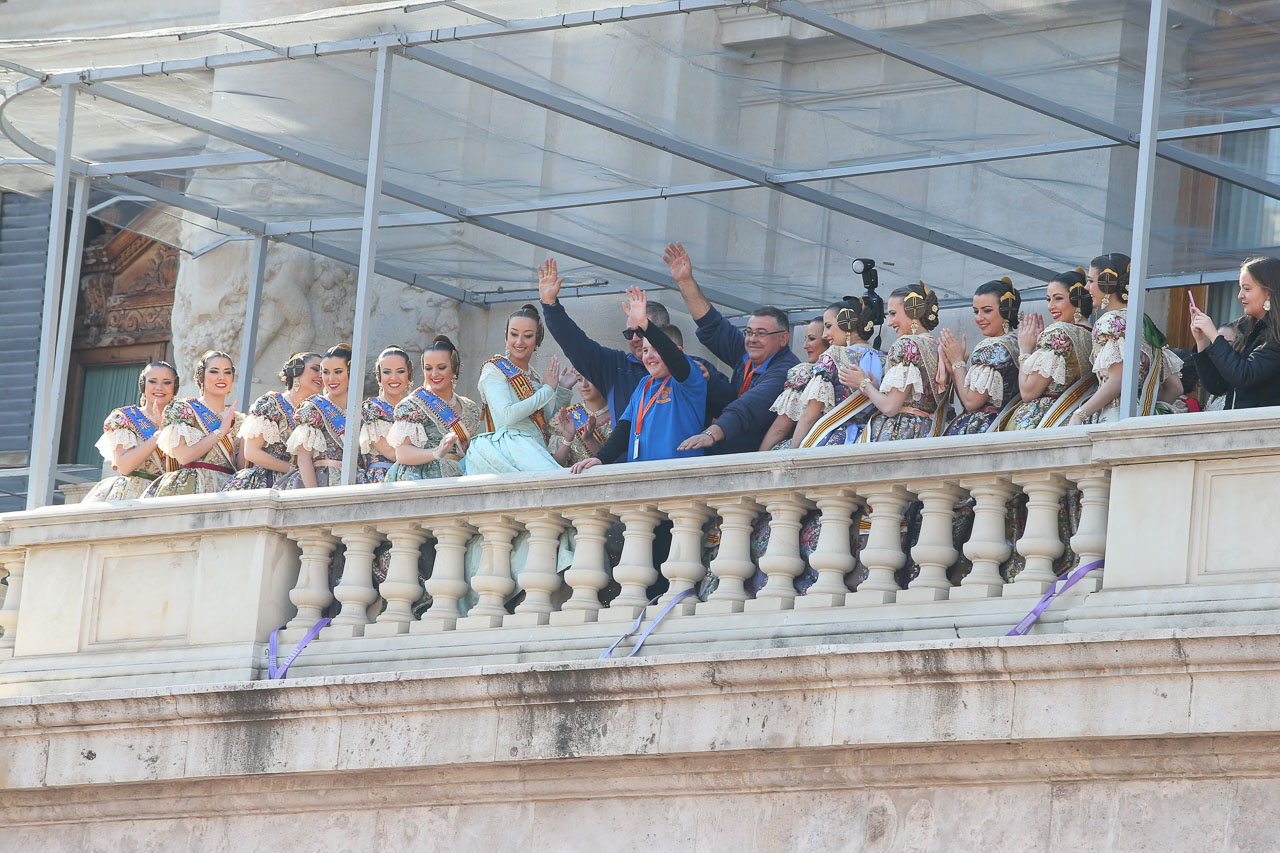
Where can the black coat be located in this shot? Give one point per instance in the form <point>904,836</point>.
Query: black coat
<point>1249,380</point>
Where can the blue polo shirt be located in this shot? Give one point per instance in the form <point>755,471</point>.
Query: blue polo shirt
<point>672,414</point>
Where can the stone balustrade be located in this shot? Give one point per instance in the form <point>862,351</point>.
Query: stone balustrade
<point>536,567</point>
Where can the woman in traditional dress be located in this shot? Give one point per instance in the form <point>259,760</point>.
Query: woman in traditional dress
<point>908,400</point>
<point>394,370</point>
<point>1245,372</point>
<point>583,428</point>
<point>834,413</point>
<point>270,421</point>
<point>518,405</point>
<point>1159,369</point>
<point>986,379</point>
<point>322,424</point>
<point>790,403</point>
<point>433,426</point>
<point>131,435</point>
<point>1055,363</point>
<point>199,433</point>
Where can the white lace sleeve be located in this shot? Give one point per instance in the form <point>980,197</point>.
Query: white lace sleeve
<point>402,431</point>
<point>985,379</point>
<point>903,377</point>
<point>1110,353</point>
<point>1048,364</point>
<point>789,403</point>
<point>306,437</point>
<point>820,389</point>
<point>109,441</point>
<point>168,441</point>
<point>1172,364</point>
<point>258,426</point>
<point>371,431</point>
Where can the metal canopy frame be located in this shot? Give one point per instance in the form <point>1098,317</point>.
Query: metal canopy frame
<point>121,176</point>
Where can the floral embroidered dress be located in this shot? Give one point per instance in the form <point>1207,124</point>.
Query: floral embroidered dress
<point>271,418</point>
<point>912,365</point>
<point>128,427</point>
<point>191,420</point>
<point>1108,350</point>
<point>422,419</point>
<point>376,419</point>
<point>992,370</point>
<point>1063,354</point>
<point>825,387</point>
<point>321,428</point>
<point>518,410</point>
<point>578,447</point>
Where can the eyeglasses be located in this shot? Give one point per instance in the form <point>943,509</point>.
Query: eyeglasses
<point>760,333</point>
<point>629,333</point>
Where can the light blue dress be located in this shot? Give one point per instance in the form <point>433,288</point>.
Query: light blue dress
<point>516,443</point>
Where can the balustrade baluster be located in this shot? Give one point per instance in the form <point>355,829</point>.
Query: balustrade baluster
<point>781,561</point>
<point>589,572</point>
<point>402,588</point>
<point>538,578</point>
<point>733,559</point>
<point>448,582</point>
<point>311,594</point>
<point>14,563</point>
<point>355,589</point>
<point>832,558</point>
<point>684,567</point>
<point>1090,541</point>
<point>1040,544</point>
<point>883,555</point>
<point>635,572</point>
<point>988,545</point>
<point>935,550</point>
<point>493,583</point>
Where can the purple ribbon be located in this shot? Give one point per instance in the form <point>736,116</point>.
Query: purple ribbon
<point>274,672</point>
<point>1054,591</point>
<point>662,614</point>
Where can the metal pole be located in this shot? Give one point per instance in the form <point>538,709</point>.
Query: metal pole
<point>67,322</point>
<point>1144,193</point>
<point>252,306</point>
<point>368,251</point>
<point>42,459</point>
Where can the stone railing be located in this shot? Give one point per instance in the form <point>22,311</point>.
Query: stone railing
<point>187,590</point>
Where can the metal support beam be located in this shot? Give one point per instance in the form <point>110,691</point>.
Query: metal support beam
<point>43,453</point>
<point>1144,194</point>
<point>66,326</point>
<point>252,307</point>
<point>178,164</point>
<point>368,252</point>
<point>723,162</point>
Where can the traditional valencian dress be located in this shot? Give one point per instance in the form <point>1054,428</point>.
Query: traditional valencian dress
<point>271,418</point>
<point>518,409</point>
<point>845,411</point>
<point>423,419</point>
<point>129,427</point>
<point>912,365</point>
<point>992,369</point>
<point>376,418</point>
<point>1108,350</point>
<point>321,427</point>
<point>1064,356</point>
<point>578,447</point>
<point>191,420</point>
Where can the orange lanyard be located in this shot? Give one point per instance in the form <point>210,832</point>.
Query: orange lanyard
<point>644,410</point>
<point>746,383</point>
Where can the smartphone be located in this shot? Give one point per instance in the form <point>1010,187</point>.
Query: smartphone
<point>1192,300</point>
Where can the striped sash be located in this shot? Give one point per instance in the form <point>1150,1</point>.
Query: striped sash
<point>211,422</point>
<point>524,390</point>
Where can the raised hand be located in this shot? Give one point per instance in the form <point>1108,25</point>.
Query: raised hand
<point>635,305</point>
<point>228,419</point>
<point>446,443</point>
<point>551,376</point>
<point>678,260</point>
<point>564,421</point>
<point>1202,328</point>
<point>952,350</point>
<point>1029,331</point>
<point>569,377</point>
<point>549,282</point>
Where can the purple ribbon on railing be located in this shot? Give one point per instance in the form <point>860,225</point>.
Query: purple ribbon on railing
<point>1054,591</point>
<point>662,614</point>
<point>274,672</point>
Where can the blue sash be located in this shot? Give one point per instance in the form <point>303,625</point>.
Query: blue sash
<point>211,422</point>
<point>140,421</point>
<point>288,410</point>
<point>448,418</point>
<point>335,418</point>
<point>387,408</point>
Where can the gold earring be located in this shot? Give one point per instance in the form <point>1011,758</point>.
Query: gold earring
<point>915,327</point>
<point>1006,327</point>
<point>1078,317</point>
<point>1106,297</point>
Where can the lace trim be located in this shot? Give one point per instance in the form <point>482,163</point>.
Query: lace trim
<point>307,437</point>
<point>904,377</point>
<point>1172,364</point>
<point>109,441</point>
<point>402,431</point>
<point>1048,364</point>
<point>168,441</point>
<point>790,403</point>
<point>260,426</point>
<point>820,388</point>
<point>371,432</point>
<point>984,379</point>
<point>1110,353</point>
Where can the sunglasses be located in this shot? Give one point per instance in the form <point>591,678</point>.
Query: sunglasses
<point>629,333</point>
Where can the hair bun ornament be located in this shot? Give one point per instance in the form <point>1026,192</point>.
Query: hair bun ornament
<point>1080,270</point>
<point>1006,280</point>
<point>442,339</point>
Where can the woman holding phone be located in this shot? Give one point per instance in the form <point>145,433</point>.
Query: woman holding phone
<point>1248,371</point>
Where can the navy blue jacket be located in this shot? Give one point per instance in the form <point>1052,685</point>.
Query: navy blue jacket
<point>615,372</point>
<point>747,418</point>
